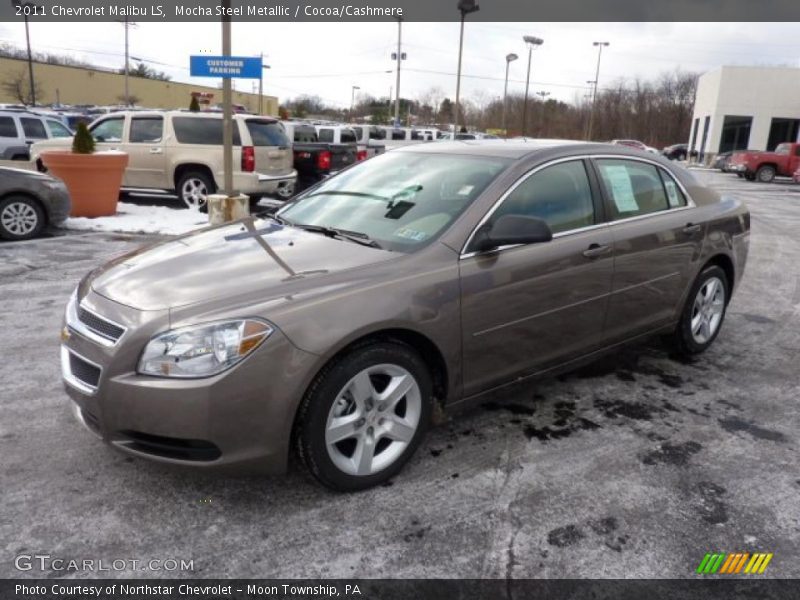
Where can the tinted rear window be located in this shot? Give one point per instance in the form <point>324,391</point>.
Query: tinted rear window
<point>33,128</point>
<point>7,127</point>
<point>267,133</point>
<point>189,130</point>
<point>305,135</point>
<point>348,136</point>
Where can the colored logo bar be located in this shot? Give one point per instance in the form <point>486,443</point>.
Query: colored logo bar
<point>734,563</point>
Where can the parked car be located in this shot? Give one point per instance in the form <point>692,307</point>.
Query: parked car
<point>423,279</point>
<point>315,160</point>
<point>21,128</point>
<point>403,136</point>
<point>369,140</point>
<point>765,166</point>
<point>796,175</point>
<point>635,144</point>
<point>29,202</point>
<point>181,152</point>
<point>676,151</point>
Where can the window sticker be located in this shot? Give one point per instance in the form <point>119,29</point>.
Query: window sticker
<point>672,193</point>
<point>466,190</point>
<point>411,234</point>
<point>621,188</point>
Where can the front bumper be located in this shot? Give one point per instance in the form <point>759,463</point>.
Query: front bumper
<point>238,420</point>
<point>738,168</point>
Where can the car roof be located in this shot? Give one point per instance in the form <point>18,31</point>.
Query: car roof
<point>183,113</point>
<point>498,147</point>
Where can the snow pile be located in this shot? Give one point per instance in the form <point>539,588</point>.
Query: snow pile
<point>135,218</point>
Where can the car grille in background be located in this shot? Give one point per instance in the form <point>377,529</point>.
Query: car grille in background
<point>83,371</point>
<point>100,326</point>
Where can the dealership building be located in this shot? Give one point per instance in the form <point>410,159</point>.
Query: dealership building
<point>737,108</point>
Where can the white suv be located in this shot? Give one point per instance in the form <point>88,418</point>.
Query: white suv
<point>21,128</point>
<point>182,152</point>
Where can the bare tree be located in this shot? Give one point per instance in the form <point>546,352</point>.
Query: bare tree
<point>18,86</point>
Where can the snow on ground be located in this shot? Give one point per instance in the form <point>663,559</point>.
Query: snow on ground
<point>135,218</point>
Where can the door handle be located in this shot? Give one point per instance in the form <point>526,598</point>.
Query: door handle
<point>155,150</point>
<point>595,250</point>
<point>691,228</point>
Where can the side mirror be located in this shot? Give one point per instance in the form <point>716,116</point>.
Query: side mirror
<point>511,230</point>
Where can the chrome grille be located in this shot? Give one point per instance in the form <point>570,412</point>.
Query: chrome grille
<point>99,325</point>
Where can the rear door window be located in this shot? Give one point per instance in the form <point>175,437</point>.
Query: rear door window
<point>398,135</point>
<point>266,133</point>
<point>348,136</point>
<point>325,135</point>
<point>7,127</point>
<point>634,188</point>
<point>146,130</point>
<point>33,128</point>
<point>191,130</point>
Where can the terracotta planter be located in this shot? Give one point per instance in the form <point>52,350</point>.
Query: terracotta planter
<point>93,180</point>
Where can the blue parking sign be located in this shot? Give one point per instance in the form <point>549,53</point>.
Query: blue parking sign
<point>226,67</point>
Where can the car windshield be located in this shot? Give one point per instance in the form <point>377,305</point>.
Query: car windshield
<point>400,200</point>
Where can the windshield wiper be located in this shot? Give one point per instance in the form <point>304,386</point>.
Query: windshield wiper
<point>346,193</point>
<point>351,236</point>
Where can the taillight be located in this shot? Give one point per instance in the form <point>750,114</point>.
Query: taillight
<point>324,160</point>
<point>248,159</point>
<point>361,155</point>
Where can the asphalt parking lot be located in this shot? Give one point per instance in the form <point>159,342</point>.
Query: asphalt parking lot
<point>635,466</point>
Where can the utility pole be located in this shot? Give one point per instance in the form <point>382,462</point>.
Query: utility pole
<point>397,84</point>
<point>261,86</point>
<point>28,7</point>
<point>532,42</point>
<point>542,95</point>
<point>596,79</point>
<point>509,59</point>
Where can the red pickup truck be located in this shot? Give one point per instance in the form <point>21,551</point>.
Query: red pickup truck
<point>764,166</point>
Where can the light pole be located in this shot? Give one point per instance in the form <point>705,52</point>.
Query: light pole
<point>27,7</point>
<point>600,46</point>
<point>532,43</point>
<point>509,59</point>
<point>353,100</point>
<point>542,95</point>
<point>261,86</point>
<point>465,7</point>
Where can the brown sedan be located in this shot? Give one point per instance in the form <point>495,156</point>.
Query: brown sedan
<point>430,275</point>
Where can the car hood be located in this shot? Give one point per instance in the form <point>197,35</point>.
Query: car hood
<point>246,257</point>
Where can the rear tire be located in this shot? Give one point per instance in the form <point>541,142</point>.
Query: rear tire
<point>703,313</point>
<point>364,416</point>
<point>765,174</point>
<point>21,218</point>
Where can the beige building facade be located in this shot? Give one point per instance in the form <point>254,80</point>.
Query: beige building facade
<point>80,85</point>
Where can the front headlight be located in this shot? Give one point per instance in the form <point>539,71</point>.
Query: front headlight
<point>202,350</point>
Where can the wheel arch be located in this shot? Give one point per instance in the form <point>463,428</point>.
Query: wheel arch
<point>724,262</point>
<point>183,168</point>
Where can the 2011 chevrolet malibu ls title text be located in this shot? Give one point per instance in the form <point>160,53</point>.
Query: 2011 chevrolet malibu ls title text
<point>430,274</point>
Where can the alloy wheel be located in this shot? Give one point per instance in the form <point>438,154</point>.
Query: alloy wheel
<point>19,218</point>
<point>709,305</point>
<point>194,193</point>
<point>373,419</point>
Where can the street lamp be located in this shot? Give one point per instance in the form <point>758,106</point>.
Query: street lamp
<point>353,100</point>
<point>509,59</point>
<point>465,7</point>
<point>26,9</point>
<point>542,95</point>
<point>599,46</point>
<point>532,43</point>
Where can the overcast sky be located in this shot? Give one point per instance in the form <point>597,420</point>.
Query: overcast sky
<point>326,59</point>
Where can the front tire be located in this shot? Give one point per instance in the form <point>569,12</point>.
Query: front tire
<point>364,416</point>
<point>193,189</point>
<point>20,218</point>
<point>703,313</point>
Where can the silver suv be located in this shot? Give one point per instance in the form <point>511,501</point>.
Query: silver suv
<point>182,152</point>
<point>21,128</point>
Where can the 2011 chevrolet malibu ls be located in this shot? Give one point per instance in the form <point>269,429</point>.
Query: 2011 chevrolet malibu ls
<point>430,275</point>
